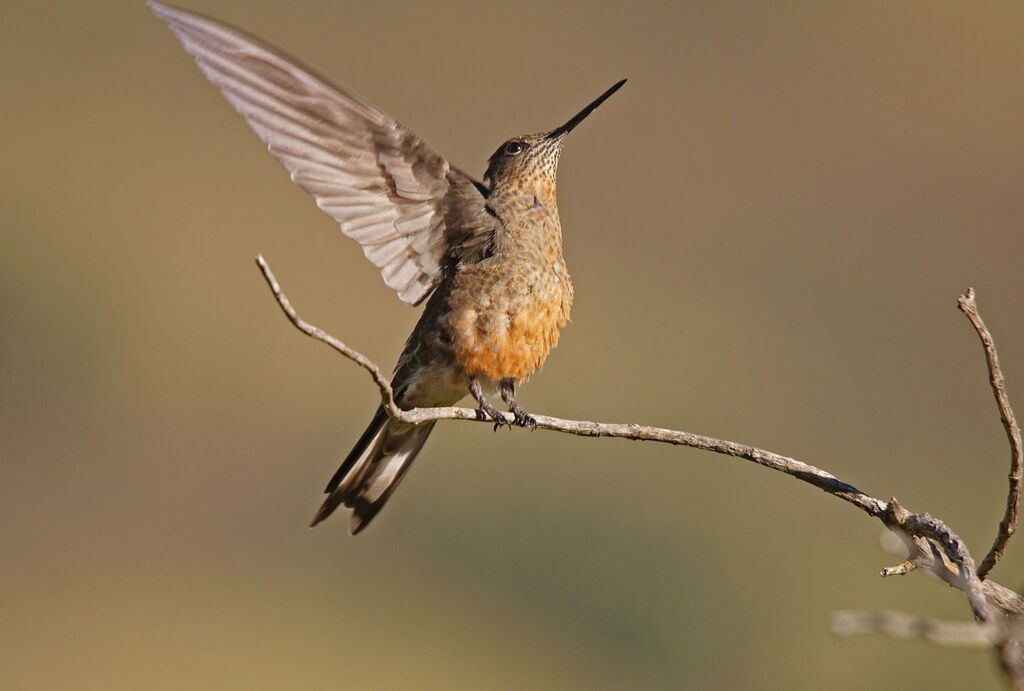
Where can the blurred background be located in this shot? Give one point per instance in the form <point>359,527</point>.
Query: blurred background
<point>767,227</point>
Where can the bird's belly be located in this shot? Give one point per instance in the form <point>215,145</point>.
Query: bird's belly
<point>432,384</point>
<point>508,334</point>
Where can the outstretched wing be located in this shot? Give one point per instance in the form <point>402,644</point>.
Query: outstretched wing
<point>377,179</point>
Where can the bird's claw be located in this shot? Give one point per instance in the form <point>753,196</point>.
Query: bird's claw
<point>524,419</point>
<point>520,418</point>
<point>489,412</point>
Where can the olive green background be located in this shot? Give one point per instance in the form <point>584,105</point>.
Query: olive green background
<point>768,228</point>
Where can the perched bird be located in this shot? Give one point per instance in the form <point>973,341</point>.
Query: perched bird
<point>489,256</point>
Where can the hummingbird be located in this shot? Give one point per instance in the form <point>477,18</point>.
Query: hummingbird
<point>485,256</point>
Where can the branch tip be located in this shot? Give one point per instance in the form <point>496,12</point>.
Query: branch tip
<point>969,307</point>
<point>901,569</point>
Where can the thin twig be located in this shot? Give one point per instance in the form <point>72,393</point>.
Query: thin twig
<point>1004,635</point>
<point>903,625</point>
<point>585,428</point>
<point>366,363</point>
<point>932,544</point>
<point>1007,526</point>
<point>901,569</point>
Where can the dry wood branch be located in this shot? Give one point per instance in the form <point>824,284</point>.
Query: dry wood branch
<point>366,363</point>
<point>923,532</point>
<point>1011,659</point>
<point>969,307</point>
<point>585,428</point>
<point>903,625</point>
<point>1003,635</point>
<point>953,564</point>
<point>932,545</point>
<point>901,569</point>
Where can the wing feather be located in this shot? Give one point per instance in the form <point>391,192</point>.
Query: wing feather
<point>386,188</point>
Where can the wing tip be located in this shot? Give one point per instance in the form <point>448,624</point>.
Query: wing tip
<point>169,13</point>
<point>325,510</point>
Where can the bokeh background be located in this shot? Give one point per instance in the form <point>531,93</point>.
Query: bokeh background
<point>768,228</point>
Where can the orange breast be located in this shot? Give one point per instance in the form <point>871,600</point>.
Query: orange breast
<point>509,333</point>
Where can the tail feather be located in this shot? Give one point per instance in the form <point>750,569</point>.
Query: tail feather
<point>359,450</point>
<point>384,477</point>
<point>373,469</point>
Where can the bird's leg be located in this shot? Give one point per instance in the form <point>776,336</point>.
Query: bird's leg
<point>486,409</point>
<point>508,394</point>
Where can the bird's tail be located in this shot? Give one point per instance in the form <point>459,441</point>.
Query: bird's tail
<point>373,469</point>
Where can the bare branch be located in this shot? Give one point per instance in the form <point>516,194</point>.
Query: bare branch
<point>315,332</point>
<point>958,571</point>
<point>932,544</point>
<point>901,569</point>
<point>903,625</point>
<point>1004,635</point>
<point>969,307</point>
<point>585,428</point>
<point>1011,659</point>
<point>1003,598</point>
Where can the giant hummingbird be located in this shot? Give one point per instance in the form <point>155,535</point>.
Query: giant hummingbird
<point>488,255</point>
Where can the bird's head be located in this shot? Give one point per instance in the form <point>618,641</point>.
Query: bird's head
<point>531,160</point>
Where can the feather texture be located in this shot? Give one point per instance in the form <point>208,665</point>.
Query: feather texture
<point>383,185</point>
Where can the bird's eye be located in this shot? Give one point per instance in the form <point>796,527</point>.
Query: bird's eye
<point>513,148</point>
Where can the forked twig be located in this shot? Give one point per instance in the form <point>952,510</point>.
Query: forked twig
<point>1007,526</point>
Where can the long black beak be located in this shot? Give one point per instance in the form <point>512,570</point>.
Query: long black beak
<point>581,116</point>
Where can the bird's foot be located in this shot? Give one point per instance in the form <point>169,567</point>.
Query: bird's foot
<point>523,418</point>
<point>488,412</point>
<point>508,394</point>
